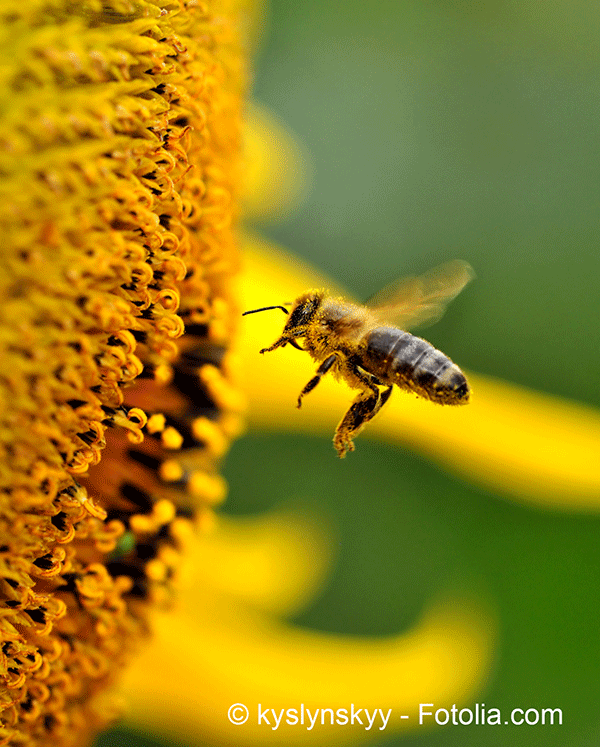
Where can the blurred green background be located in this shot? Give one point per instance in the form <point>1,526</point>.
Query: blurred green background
<point>441,130</point>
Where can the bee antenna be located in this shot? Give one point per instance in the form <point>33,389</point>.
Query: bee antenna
<point>266,308</point>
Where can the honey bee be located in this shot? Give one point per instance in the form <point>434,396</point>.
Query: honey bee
<point>363,346</point>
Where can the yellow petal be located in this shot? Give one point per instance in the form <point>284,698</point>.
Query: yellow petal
<point>219,651</point>
<point>276,169</point>
<point>274,562</point>
<point>531,446</point>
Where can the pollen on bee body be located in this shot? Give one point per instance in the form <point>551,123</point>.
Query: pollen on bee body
<point>460,387</point>
<point>451,387</point>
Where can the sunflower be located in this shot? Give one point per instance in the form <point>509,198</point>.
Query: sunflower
<point>120,134</point>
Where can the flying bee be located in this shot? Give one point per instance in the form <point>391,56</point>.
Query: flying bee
<point>367,346</point>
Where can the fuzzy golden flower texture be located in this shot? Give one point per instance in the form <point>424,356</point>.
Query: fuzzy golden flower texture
<point>119,134</point>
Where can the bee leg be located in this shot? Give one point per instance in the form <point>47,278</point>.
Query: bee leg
<point>294,344</point>
<point>321,371</point>
<point>364,407</point>
<point>384,398</point>
<point>277,344</point>
<point>285,339</point>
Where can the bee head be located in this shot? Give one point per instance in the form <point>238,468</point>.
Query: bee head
<point>301,315</point>
<point>304,309</point>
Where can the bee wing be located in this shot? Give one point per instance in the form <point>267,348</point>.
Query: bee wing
<point>419,300</point>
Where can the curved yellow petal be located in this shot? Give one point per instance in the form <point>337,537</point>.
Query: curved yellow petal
<point>277,168</point>
<point>192,673</point>
<point>273,562</point>
<point>221,648</point>
<point>534,447</point>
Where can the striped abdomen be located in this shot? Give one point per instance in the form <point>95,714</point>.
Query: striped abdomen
<point>397,357</point>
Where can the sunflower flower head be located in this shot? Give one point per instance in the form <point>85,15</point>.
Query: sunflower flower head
<point>119,132</point>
